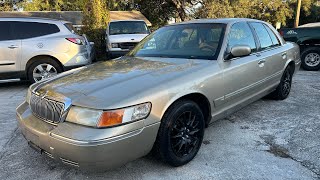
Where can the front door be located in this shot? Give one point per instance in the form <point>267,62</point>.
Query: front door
<point>242,75</point>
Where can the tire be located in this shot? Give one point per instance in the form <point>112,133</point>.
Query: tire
<point>180,134</point>
<point>109,55</point>
<point>283,89</point>
<point>49,65</point>
<point>311,59</point>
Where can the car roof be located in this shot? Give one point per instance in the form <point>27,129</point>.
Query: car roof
<point>32,19</point>
<point>135,20</point>
<point>316,24</point>
<point>218,20</point>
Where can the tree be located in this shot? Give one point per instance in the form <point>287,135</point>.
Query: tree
<point>158,12</point>
<point>52,5</point>
<point>310,11</point>
<point>216,9</point>
<point>95,20</point>
<point>181,6</point>
<point>95,15</point>
<point>267,10</point>
<point>6,6</point>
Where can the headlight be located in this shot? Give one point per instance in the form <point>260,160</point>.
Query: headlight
<point>100,118</point>
<point>114,45</point>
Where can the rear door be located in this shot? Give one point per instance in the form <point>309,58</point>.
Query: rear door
<point>34,39</point>
<point>272,51</point>
<point>10,49</point>
<point>242,75</point>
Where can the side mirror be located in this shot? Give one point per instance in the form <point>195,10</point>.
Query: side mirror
<point>240,50</point>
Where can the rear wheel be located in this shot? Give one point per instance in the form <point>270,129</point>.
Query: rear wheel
<point>180,134</point>
<point>284,88</point>
<point>43,68</point>
<point>311,59</point>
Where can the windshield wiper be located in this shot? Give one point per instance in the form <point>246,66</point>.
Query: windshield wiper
<point>197,57</point>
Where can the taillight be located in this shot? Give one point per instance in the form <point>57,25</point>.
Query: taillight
<point>281,33</point>
<point>75,40</point>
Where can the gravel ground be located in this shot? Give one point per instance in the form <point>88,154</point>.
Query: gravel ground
<point>266,140</point>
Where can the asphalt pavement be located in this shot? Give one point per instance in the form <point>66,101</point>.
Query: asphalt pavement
<point>266,140</point>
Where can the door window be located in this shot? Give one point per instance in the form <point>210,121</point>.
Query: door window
<point>241,34</point>
<point>263,35</point>
<point>24,30</point>
<point>5,31</point>
<point>275,40</point>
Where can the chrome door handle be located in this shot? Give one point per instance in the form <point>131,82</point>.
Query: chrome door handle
<point>284,55</point>
<point>13,47</point>
<point>261,61</point>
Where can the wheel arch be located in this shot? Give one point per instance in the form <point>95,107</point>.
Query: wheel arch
<point>292,66</point>
<point>38,58</point>
<point>199,98</point>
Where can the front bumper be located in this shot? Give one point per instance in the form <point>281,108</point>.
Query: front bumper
<point>85,147</point>
<point>78,60</point>
<point>115,54</point>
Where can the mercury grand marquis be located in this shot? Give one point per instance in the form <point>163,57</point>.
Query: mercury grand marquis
<point>160,96</point>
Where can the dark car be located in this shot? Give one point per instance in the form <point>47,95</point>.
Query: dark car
<point>308,38</point>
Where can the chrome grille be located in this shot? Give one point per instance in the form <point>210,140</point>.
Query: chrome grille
<point>128,45</point>
<point>46,109</point>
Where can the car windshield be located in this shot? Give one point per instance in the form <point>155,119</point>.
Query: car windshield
<point>128,27</point>
<point>193,41</point>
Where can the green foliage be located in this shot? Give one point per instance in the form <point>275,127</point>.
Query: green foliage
<point>37,5</point>
<point>309,13</point>
<point>6,6</point>
<point>158,12</point>
<point>271,11</point>
<point>95,20</point>
<point>52,5</point>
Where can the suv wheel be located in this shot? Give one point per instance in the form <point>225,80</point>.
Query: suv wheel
<point>311,59</point>
<point>180,134</point>
<point>43,68</point>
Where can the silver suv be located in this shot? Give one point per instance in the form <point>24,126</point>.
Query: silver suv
<point>37,48</point>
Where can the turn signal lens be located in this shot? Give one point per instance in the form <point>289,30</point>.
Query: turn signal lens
<point>111,118</point>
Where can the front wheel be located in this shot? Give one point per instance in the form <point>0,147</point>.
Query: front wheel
<point>181,133</point>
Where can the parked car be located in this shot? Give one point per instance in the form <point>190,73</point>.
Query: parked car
<point>123,35</point>
<point>308,38</point>
<point>161,95</point>
<point>37,48</point>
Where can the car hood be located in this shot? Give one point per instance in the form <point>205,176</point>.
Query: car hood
<point>126,38</point>
<point>110,84</point>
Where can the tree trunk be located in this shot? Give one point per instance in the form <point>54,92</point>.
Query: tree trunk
<point>296,23</point>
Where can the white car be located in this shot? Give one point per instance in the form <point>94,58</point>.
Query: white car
<point>122,36</point>
<point>38,48</point>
